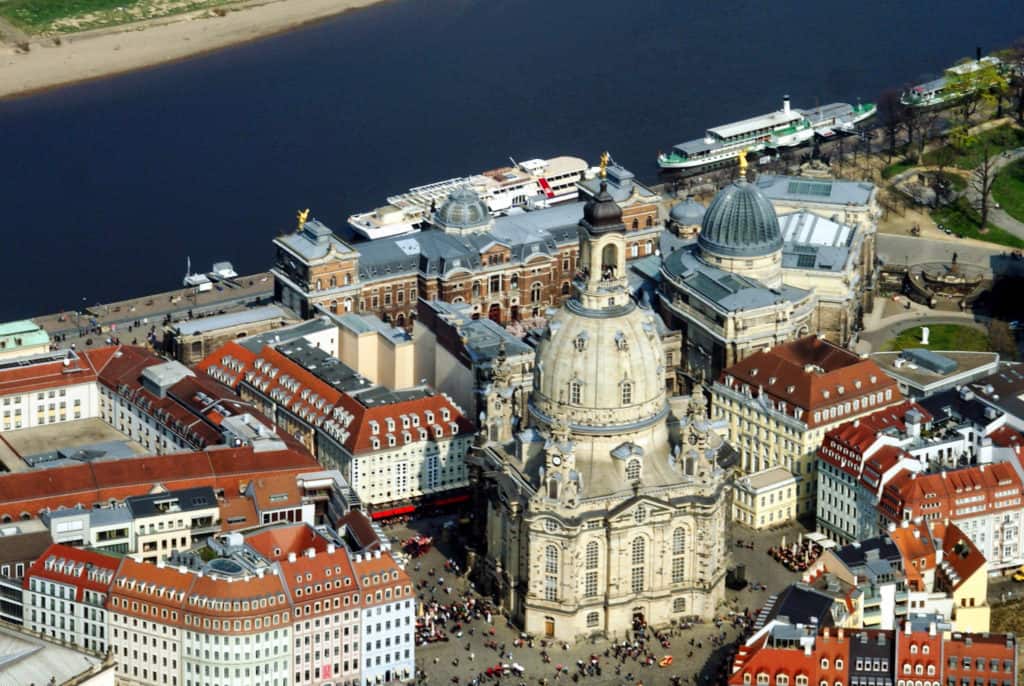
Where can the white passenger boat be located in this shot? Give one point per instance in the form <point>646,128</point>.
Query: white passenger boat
<point>531,184</point>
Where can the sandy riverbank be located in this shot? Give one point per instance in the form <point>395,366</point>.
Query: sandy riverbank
<point>97,54</point>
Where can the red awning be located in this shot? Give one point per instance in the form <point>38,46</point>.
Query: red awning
<point>394,512</point>
<point>452,500</point>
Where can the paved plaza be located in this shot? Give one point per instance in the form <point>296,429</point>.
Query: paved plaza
<point>699,652</point>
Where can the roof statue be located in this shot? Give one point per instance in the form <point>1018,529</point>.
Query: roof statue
<point>742,158</point>
<point>560,431</point>
<point>302,216</point>
<point>605,157</point>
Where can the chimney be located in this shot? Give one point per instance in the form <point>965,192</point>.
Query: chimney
<point>160,563</point>
<point>917,533</point>
<point>825,633</point>
<point>785,101</point>
<point>841,632</point>
<point>259,572</point>
<point>931,629</point>
<point>376,554</point>
<point>310,552</point>
<point>291,557</point>
<point>330,548</point>
<point>906,628</point>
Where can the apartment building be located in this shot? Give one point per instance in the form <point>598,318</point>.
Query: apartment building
<point>778,405</point>
<point>286,605</point>
<point>984,501</point>
<point>66,593</point>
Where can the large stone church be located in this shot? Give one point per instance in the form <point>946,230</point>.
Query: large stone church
<point>596,505</point>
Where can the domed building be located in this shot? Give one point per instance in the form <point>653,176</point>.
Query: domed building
<point>740,234</point>
<point>462,212</point>
<point>601,509</point>
<point>685,218</point>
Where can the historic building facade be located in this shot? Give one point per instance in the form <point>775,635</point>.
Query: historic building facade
<point>754,279</point>
<point>507,268</point>
<point>594,514</point>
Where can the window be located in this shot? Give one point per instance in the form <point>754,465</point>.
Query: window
<point>551,573</point>
<point>535,292</point>
<point>575,392</point>
<point>627,392</point>
<point>638,556</point>
<point>679,605</point>
<point>591,559</point>
<point>593,619</point>
<point>633,470</point>
<point>678,555</point>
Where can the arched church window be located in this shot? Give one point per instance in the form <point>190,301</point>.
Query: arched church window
<point>319,284</point>
<point>553,488</point>
<point>627,392</point>
<point>550,573</point>
<point>638,557</point>
<point>476,289</point>
<point>633,470</point>
<point>334,281</point>
<point>591,559</point>
<point>348,279</point>
<point>535,292</point>
<point>678,555</point>
<point>609,262</point>
<point>650,222</point>
<point>634,250</point>
<point>575,392</point>
<point>636,223</point>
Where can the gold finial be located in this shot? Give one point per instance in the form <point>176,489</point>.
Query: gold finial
<point>742,157</point>
<point>302,216</point>
<point>604,164</point>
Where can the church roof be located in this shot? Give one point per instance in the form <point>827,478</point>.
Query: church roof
<point>740,222</point>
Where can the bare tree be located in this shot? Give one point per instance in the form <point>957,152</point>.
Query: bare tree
<point>891,113</point>
<point>926,121</point>
<point>982,178</point>
<point>1014,57</point>
<point>1000,339</point>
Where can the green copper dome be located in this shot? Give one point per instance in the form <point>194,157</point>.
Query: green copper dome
<point>740,222</point>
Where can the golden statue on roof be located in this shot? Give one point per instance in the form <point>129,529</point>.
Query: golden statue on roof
<point>302,216</point>
<point>605,157</point>
<point>742,158</point>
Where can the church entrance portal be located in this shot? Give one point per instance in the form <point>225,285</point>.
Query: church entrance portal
<point>638,619</point>
<point>549,626</point>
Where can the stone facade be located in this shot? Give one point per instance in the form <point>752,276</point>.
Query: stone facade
<point>598,513</point>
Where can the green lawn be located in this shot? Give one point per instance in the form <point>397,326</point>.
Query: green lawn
<point>68,16</point>
<point>999,139</point>
<point>896,168</point>
<point>1008,189</point>
<point>941,337</point>
<point>962,219</point>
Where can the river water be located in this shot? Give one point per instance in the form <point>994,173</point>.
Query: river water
<point>108,186</point>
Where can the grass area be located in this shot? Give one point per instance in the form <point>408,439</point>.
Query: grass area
<point>941,337</point>
<point>969,156</point>
<point>1008,189</point>
<point>1009,617</point>
<point>69,16</point>
<point>896,168</point>
<point>962,219</point>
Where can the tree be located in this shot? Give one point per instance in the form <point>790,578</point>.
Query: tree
<point>1014,60</point>
<point>891,115</point>
<point>1001,340</point>
<point>982,178</point>
<point>973,84</point>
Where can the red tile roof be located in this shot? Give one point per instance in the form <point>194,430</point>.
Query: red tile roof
<point>960,555</point>
<point>809,375</point>
<point>230,469</point>
<point>83,569</point>
<point>74,368</point>
<point>933,495</point>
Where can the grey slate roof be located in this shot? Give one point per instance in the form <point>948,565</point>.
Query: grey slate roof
<point>248,316</point>
<point>620,184</point>
<point>801,605</point>
<point>432,252</point>
<point>729,291</point>
<point>187,499</point>
<point>688,213</point>
<point>284,334</point>
<point>804,189</point>
<point>314,241</point>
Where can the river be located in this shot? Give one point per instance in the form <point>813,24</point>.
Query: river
<point>109,185</point>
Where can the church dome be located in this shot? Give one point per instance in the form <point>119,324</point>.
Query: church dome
<point>602,214</point>
<point>600,373</point>
<point>688,213</point>
<point>740,222</point>
<point>462,210</point>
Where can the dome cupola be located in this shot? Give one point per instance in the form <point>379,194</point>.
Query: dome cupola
<point>740,222</point>
<point>687,213</point>
<point>463,211</point>
<point>602,214</point>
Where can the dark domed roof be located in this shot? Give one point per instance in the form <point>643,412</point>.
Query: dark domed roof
<point>462,210</point>
<point>602,214</point>
<point>740,222</point>
<point>688,213</point>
